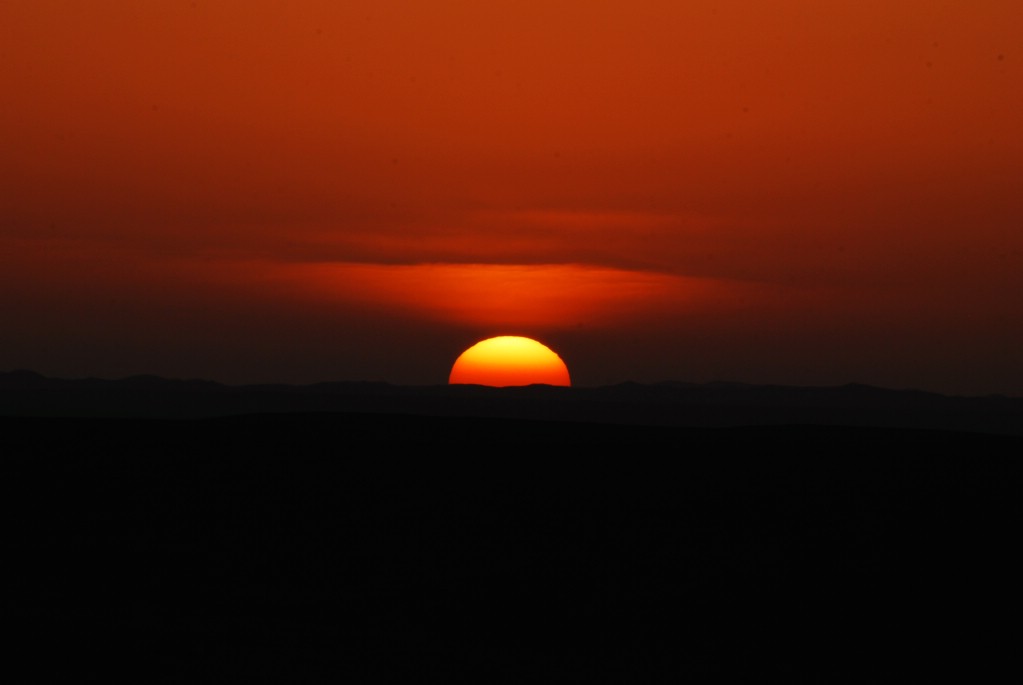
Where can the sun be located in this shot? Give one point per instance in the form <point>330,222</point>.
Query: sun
<point>509,360</point>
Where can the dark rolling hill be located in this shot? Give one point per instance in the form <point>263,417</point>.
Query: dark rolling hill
<point>174,531</point>
<point>25,393</point>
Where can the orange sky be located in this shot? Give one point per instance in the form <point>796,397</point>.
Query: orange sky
<point>791,192</point>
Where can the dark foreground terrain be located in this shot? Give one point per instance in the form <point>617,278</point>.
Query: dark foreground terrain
<point>391,548</point>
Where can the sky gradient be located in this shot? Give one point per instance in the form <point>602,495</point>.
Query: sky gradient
<point>264,191</point>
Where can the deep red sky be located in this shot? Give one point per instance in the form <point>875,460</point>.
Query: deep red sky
<point>252,190</point>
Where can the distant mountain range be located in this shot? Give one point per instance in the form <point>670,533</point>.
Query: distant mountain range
<point>27,393</point>
<point>368,532</point>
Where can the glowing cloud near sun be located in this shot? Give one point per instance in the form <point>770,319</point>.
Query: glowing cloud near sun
<point>539,296</point>
<point>509,360</point>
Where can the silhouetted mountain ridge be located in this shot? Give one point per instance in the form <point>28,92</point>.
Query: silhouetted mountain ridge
<point>374,533</point>
<point>28,393</point>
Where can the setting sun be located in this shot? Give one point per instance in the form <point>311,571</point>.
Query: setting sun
<point>509,360</point>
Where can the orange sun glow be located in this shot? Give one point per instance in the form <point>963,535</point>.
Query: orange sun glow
<point>509,360</point>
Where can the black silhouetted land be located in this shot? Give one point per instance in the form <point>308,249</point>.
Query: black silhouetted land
<point>191,532</point>
<point>25,393</point>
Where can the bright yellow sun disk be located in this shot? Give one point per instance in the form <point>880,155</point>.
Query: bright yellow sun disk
<point>509,360</point>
